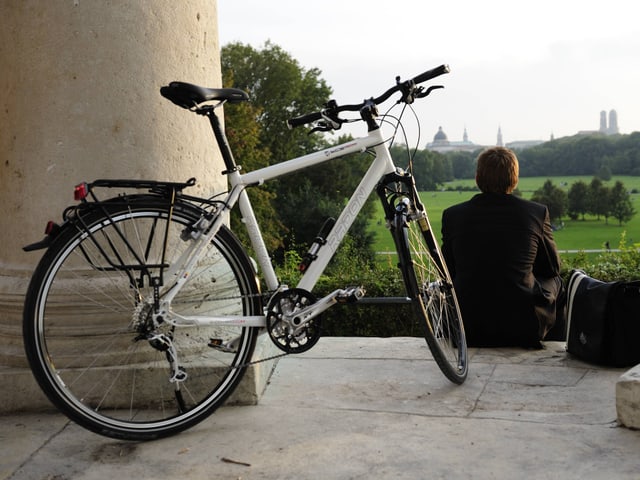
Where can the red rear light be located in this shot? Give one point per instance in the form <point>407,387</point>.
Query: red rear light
<point>81,191</point>
<point>49,228</point>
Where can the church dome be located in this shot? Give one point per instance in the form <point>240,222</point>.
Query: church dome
<point>440,136</point>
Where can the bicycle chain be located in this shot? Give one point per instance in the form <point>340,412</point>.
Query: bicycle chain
<point>273,357</point>
<point>265,295</point>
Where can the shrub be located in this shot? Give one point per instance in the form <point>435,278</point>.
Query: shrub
<point>608,266</point>
<point>351,268</point>
<point>380,279</point>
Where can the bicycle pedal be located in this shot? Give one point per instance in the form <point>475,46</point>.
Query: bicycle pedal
<point>221,345</point>
<point>350,295</point>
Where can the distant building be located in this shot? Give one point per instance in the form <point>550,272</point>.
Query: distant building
<point>610,129</point>
<point>522,144</point>
<point>442,144</point>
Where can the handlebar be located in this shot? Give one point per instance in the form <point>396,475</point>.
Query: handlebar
<point>409,88</point>
<point>433,73</point>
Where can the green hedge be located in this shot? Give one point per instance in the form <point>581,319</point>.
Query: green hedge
<point>383,279</point>
<point>622,263</point>
<point>351,268</point>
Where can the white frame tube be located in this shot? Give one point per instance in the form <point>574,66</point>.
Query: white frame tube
<point>381,165</point>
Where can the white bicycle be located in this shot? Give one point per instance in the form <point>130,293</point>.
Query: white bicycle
<point>142,315</point>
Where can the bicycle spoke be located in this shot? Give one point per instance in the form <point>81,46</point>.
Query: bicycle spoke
<point>90,336</point>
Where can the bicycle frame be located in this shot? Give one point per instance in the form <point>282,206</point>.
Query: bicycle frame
<point>381,165</point>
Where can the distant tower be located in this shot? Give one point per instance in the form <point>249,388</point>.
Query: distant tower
<point>500,144</point>
<point>552,138</point>
<point>613,123</point>
<point>465,137</point>
<point>603,122</point>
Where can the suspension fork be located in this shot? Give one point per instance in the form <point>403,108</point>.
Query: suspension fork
<point>403,199</point>
<point>403,187</point>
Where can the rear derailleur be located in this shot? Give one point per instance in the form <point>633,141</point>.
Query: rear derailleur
<point>149,329</point>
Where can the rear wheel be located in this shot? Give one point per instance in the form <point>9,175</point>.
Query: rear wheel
<point>88,321</point>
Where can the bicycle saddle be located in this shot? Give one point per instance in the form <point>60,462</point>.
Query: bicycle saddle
<point>187,95</point>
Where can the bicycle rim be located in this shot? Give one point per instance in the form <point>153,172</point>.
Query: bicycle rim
<point>83,315</point>
<point>434,299</point>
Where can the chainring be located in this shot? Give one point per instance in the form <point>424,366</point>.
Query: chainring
<point>285,328</point>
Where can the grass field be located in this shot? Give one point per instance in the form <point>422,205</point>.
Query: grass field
<point>589,234</point>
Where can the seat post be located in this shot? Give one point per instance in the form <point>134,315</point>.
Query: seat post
<point>223,143</point>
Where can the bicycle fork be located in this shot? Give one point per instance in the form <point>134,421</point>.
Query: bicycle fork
<point>401,204</point>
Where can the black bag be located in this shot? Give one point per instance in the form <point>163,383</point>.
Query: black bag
<point>603,320</point>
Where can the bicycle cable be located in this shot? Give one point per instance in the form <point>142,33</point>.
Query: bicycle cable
<point>398,126</point>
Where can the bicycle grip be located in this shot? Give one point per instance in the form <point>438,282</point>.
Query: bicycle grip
<point>433,73</point>
<point>303,119</point>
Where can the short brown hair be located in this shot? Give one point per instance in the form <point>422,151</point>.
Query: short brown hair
<point>497,170</point>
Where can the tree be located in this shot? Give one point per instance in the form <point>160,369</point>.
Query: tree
<point>429,168</point>
<point>597,154</point>
<point>604,172</point>
<point>578,200</point>
<point>621,206</point>
<point>282,89</point>
<point>463,164</point>
<point>243,133</point>
<point>553,197</point>
<point>598,203</point>
<point>321,192</point>
<point>291,209</point>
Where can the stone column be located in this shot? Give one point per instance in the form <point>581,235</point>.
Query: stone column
<point>79,96</point>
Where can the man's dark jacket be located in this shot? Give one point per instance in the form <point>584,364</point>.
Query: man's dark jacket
<point>500,251</point>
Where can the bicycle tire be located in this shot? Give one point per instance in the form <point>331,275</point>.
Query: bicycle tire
<point>81,324</point>
<point>431,290</point>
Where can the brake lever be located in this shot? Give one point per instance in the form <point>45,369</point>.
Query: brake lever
<point>322,127</point>
<point>408,89</point>
<point>428,91</point>
<point>330,120</point>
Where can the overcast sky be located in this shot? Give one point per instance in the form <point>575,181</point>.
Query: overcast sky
<point>537,68</point>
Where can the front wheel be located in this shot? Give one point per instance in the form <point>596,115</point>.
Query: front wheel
<point>92,340</point>
<point>433,297</point>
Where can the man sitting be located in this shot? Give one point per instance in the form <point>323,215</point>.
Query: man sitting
<point>500,251</point>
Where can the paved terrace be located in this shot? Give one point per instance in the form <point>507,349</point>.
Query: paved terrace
<point>368,408</point>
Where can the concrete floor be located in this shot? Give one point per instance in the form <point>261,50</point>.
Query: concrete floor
<point>368,408</point>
